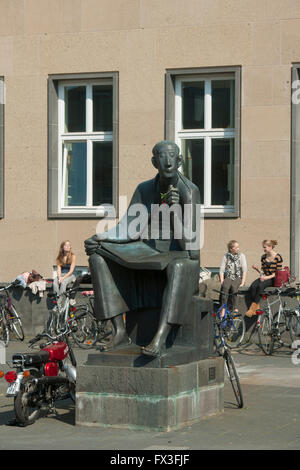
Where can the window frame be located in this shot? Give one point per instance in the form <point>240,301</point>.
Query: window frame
<point>173,131</point>
<point>56,136</point>
<point>295,175</point>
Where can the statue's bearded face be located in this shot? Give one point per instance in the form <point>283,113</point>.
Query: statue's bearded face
<point>167,161</point>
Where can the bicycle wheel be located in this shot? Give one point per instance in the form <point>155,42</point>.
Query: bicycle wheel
<point>4,331</point>
<point>86,332</point>
<point>265,336</point>
<point>234,330</point>
<point>233,377</point>
<point>280,327</point>
<point>16,322</point>
<point>217,335</point>
<point>294,326</point>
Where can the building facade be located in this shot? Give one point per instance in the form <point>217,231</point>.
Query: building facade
<point>87,87</point>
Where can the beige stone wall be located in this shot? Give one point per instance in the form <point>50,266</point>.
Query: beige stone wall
<point>141,39</point>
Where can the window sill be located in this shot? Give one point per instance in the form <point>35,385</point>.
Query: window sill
<point>91,213</point>
<point>222,215</point>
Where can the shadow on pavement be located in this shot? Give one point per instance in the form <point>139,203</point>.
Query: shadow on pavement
<point>6,413</point>
<point>65,413</point>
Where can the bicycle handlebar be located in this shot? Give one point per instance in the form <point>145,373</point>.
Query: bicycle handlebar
<point>16,282</point>
<point>38,337</point>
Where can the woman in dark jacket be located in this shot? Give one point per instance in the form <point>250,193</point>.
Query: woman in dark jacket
<point>271,261</point>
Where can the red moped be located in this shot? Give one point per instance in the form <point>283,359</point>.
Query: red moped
<point>42,377</point>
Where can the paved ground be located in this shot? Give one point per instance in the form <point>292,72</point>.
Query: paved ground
<point>269,420</point>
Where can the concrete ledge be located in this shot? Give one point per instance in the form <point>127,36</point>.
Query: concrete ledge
<point>150,399</point>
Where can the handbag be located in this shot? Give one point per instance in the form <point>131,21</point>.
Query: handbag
<point>282,276</point>
<point>204,275</point>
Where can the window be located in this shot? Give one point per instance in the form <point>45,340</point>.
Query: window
<point>204,121</point>
<point>2,100</point>
<point>85,165</point>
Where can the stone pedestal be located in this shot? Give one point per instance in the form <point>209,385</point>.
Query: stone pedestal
<point>152,399</point>
<point>126,389</point>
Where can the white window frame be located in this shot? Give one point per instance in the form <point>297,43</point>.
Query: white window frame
<point>207,134</point>
<point>89,137</point>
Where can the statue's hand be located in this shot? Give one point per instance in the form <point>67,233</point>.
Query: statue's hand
<point>172,196</point>
<point>91,245</point>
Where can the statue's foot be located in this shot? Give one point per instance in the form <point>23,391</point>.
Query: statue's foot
<point>153,349</point>
<point>116,342</point>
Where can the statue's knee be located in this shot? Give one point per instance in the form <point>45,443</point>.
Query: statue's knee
<point>178,263</point>
<point>96,260</point>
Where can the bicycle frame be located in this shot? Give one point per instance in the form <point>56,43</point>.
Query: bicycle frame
<point>62,313</point>
<point>226,321</point>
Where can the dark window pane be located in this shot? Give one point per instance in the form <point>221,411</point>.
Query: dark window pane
<point>193,162</point>
<point>222,103</point>
<point>102,107</point>
<point>75,108</point>
<point>75,173</point>
<point>193,105</point>
<point>102,173</point>
<point>222,172</point>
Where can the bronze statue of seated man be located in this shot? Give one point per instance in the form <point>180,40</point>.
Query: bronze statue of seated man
<point>129,272</point>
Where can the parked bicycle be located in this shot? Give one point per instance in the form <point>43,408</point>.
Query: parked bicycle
<point>10,320</point>
<point>294,317</point>
<point>232,324</point>
<point>271,326</point>
<point>61,311</point>
<point>223,350</point>
<point>89,329</point>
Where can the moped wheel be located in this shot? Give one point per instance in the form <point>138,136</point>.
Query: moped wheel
<point>26,405</point>
<point>265,336</point>
<point>73,392</point>
<point>16,323</point>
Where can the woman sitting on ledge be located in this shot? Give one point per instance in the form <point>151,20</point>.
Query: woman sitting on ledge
<point>271,261</point>
<point>65,263</point>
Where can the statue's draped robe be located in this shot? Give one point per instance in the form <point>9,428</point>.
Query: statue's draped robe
<point>131,274</point>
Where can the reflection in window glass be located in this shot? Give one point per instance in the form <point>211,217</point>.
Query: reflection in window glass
<point>222,103</point>
<point>102,108</point>
<point>75,109</point>
<point>193,105</point>
<point>222,172</point>
<point>193,162</point>
<point>74,172</point>
<point>102,173</point>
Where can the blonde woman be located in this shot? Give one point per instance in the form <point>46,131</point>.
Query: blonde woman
<point>65,263</point>
<point>271,261</point>
<point>233,271</point>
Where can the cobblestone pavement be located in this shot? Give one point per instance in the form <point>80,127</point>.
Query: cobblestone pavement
<point>269,420</point>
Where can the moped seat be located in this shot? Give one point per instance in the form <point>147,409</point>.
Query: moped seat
<point>31,358</point>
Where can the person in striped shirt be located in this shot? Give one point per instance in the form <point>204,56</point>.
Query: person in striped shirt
<point>271,261</point>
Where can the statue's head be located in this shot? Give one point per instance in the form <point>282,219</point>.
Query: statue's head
<point>166,158</point>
